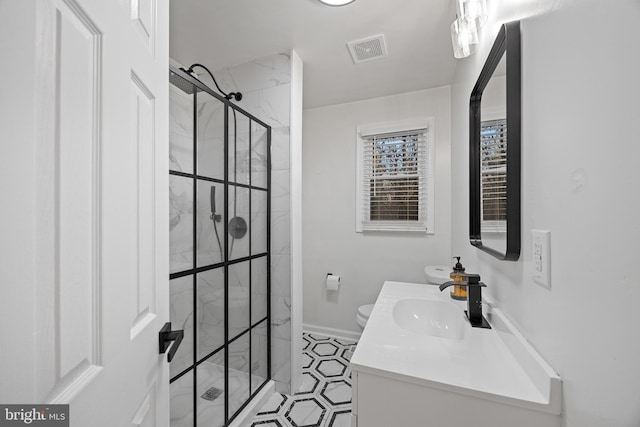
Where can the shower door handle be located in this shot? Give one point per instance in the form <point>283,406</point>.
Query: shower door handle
<point>165,337</point>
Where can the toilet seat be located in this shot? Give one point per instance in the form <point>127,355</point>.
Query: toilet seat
<point>437,274</point>
<point>364,311</point>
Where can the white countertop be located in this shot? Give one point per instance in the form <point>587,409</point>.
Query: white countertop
<point>495,364</point>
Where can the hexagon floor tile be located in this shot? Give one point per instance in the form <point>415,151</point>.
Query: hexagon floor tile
<point>331,368</point>
<point>337,393</point>
<point>324,397</point>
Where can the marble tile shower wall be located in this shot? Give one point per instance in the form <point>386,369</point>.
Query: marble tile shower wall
<point>266,86</point>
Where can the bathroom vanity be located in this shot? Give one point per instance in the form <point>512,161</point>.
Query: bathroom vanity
<point>420,363</point>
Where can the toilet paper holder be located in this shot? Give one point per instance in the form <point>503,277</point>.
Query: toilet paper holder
<point>332,282</point>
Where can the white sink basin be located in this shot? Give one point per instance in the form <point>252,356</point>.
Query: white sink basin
<point>419,335</point>
<point>429,317</point>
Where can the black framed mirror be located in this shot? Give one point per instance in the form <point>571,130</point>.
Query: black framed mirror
<point>494,149</point>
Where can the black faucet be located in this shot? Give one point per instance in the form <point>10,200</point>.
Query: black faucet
<point>474,298</point>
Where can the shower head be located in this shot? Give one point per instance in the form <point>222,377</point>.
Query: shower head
<point>182,84</point>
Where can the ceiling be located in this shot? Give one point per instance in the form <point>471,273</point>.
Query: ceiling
<point>221,33</point>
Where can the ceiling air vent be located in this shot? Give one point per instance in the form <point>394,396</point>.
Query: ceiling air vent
<point>367,49</point>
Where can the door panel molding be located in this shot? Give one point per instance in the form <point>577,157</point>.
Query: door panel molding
<point>68,137</point>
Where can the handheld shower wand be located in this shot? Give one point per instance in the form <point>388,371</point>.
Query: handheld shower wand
<point>216,218</point>
<point>212,197</point>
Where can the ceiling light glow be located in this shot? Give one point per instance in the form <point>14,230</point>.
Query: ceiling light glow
<point>336,2</point>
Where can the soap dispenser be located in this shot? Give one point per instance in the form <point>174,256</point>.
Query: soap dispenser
<point>458,292</point>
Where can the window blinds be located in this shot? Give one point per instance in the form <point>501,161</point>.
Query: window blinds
<point>394,171</point>
<point>493,171</point>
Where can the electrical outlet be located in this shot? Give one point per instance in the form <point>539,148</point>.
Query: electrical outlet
<point>541,261</point>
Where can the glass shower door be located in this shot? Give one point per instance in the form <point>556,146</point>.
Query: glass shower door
<point>248,273</point>
<point>220,260</point>
<point>210,361</point>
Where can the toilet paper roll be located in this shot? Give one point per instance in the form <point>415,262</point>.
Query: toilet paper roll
<point>333,282</point>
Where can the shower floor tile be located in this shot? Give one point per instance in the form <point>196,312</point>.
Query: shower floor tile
<point>324,397</point>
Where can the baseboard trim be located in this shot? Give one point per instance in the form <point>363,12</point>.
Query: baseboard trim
<point>331,332</point>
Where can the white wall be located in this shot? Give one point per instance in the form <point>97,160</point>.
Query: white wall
<point>580,180</point>
<point>330,243</point>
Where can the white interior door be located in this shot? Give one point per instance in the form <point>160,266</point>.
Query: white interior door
<point>86,293</point>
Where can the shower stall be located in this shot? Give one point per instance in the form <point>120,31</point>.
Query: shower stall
<point>220,254</point>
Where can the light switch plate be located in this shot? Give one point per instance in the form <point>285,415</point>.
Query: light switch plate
<point>541,257</point>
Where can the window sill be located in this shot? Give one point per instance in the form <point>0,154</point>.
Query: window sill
<point>403,228</point>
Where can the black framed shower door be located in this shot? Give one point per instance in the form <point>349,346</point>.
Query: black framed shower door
<point>220,277</point>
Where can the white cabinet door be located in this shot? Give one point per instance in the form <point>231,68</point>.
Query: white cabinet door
<point>85,262</point>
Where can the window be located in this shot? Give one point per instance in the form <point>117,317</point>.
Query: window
<point>395,177</point>
<point>493,175</point>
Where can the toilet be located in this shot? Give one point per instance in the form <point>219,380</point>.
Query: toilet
<point>364,311</point>
<point>436,275</point>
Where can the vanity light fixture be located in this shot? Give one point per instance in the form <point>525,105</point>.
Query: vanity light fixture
<point>464,37</point>
<point>473,10</point>
<point>336,2</point>
<point>471,15</point>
